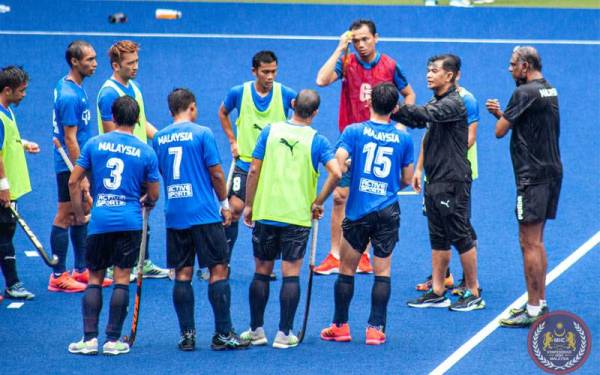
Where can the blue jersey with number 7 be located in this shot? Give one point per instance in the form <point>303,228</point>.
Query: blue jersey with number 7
<point>185,153</point>
<point>119,164</point>
<point>378,152</point>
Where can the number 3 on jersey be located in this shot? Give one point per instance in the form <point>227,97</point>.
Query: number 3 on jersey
<point>378,161</point>
<point>114,182</point>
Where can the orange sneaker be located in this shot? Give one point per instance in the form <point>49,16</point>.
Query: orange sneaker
<point>427,284</point>
<point>84,278</point>
<point>328,266</point>
<point>335,333</point>
<point>65,283</point>
<point>364,265</point>
<point>375,336</point>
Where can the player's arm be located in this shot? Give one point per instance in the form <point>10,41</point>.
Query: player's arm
<point>409,94</point>
<point>472,133</point>
<point>251,184</point>
<point>77,175</point>
<point>217,177</point>
<point>502,125</point>
<point>228,129</point>
<point>71,143</point>
<point>407,176</point>
<point>150,130</point>
<point>334,175</point>
<point>418,172</point>
<point>4,187</point>
<point>152,194</point>
<point>327,74</point>
<point>341,155</point>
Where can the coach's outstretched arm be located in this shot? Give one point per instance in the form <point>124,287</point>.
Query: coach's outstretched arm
<point>334,175</point>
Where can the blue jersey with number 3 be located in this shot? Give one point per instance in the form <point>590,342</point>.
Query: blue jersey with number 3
<point>378,152</point>
<point>185,153</point>
<point>119,165</point>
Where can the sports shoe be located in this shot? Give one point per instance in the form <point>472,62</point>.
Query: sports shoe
<point>283,341</point>
<point>461,3</point>
<point>460,289</point>
<point>430,3</point>
<point>171,274</point>
<point>364,265</point>
<point>18,291</point>
<point>84,278</point>
<point>335,333</point>
<point>523,319</point>
<point>203,274</point>
<point>428,283</point>
<point>152,271</point>
<point>89,347</point>
<point>256,337</point>
<point>468,302</point>
<point>375,336</point>
<point>65,283</point>
<point>132,275</point>
<point>481,2</point>
<point>115,348</point>
<point>187,342</point>
<point>329,265</point>
<point>430,299</point>
<point>231,341</point>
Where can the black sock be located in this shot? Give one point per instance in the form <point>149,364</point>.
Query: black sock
<point>259,296</point>
<point>380,296</point>
<point>231,232</point>
<point>91,305</point>
<point>219,295</point>
<point>59,243</point>
<point>183,299</point>
<point>8,264</point>
<point>78,239</point>
<point>343,290</point>
<point>289,296</point>
<point>118,311</point>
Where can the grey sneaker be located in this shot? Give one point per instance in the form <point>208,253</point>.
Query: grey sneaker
<point>18,291</point>
<point>89,347</point>
<point>256,337</point>
<point>115,348</point>
<point>283,341</point>
<point>468,302</point>
<point>430,299</point>
<point>152,271</point>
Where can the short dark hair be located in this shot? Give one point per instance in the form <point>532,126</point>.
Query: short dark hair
<point>75,50</point>
<point>263,57</point>
<point>307,102</point>
<point>529,55</point>
<point>125,111</point>
<point>450,63</point>
<point>384,98</point>
<point>180,99</point>
<point>12,76</point>
<point>360,23</point>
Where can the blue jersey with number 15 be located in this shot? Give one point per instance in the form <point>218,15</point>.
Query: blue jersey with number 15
<point>119,164</point>
<point>378,152</point>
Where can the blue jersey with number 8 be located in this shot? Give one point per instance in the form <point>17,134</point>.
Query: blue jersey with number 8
<point>378,152</point>
<point>119,164</point>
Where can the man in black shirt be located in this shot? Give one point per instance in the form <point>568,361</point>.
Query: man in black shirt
<point>448,183</point>
<point>532,113</point>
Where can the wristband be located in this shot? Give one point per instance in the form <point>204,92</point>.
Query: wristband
<point>4,184</point>
<point>224,204</point>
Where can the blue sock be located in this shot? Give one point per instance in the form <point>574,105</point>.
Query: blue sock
<point>78,239</point>
<point>380,296</point>
<point>183,299</point>
<point>59,243</point>
<point>219,295</point>
<point>344,291</point>
<point>289,296</point>
<point>91,305</point>
<point>118,311</point>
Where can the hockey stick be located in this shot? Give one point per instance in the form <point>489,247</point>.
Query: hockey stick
<point>140,277</point>
<point>230,174</point>
<point>34,240</point>
<point>311,265</point>
<point>65,158</point>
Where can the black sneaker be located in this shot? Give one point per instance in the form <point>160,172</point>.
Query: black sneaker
<point>523,319</point>
<point>187,343</point>
<point>231,341</point>
<point>430,299</point>
<point>468,302</point>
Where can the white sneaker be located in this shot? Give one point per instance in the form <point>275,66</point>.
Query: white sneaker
<point>430,3</point>
<point>283,341</point>
<point>89,347</point>
<point>115,348</point>
<point>481,2</point>
<point>256,337</point>
<point>461,3</point>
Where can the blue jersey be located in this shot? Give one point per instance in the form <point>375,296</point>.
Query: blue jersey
<point>71,109</point>
<point>185,152</point>
<point>108,95</point>
<point>470,105</point>
<point>378,152</point>
<point>119,165</point>
<point>233,100</point>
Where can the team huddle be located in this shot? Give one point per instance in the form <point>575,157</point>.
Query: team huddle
<point>107,185</point>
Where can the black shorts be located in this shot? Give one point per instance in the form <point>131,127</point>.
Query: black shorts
<point>119,249</point>
<point>207,242</point>
<point>270,242</point>
<point>62,184</point>
<point>238,183</point>
<point>537,202</point>
<point>448,207</point>
<point>380,228</point>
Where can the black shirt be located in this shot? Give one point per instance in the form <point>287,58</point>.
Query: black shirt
<point>446,141</point>
<point>533,113</point>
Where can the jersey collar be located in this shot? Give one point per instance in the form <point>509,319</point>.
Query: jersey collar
<point>369,65</point>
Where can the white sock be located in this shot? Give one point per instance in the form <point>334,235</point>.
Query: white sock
<point>543,303</point>
<point>533,310</point>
